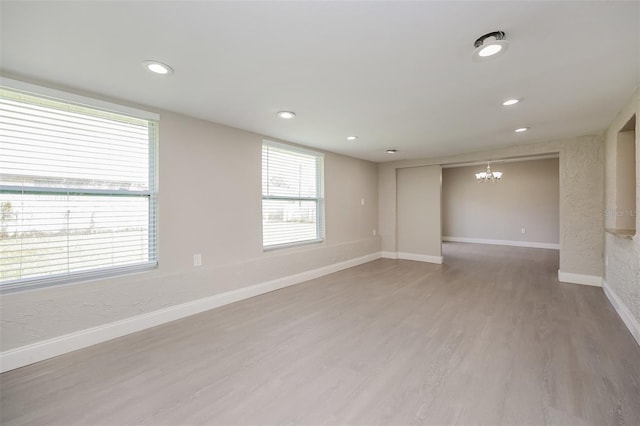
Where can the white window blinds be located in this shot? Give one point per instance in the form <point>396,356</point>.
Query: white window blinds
<point>292,195</point>
<point>77,192</point>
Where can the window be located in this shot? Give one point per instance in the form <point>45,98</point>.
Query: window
<point>292,196</point>
<point>77,192</point>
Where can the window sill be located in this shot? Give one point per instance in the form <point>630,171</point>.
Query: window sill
<point>292,245</point>
<point>626,234</point>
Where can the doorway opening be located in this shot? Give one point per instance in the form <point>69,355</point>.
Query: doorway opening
<point>521,209</point>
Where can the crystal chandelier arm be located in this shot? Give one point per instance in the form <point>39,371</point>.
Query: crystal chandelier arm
<point>488,176</point>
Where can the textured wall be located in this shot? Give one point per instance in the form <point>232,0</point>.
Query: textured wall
<point>581,207</point>
<point>622,271</point>
<point>528,196</point>
<point>209,203</point>
<point>581,196</point>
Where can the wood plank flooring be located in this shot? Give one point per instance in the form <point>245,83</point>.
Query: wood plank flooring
<point>490,337</point>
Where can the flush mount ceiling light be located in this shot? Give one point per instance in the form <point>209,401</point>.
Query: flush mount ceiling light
<point>392,151</point>
<point>521,129</point>
<point>287,115</point>
<point>510,102</point>
<point>157,67</point>
<point>488,176</point>
<point>489,45</point>
<point>352,138</point>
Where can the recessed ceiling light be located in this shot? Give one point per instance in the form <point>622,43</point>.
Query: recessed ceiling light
<point>489,50</point>
<point>352,138</point>
<point>489,45</point>
<point>157,67</point>
<point>287,115</point>
<point>392,151</point>
<point>521,129</point>
<point>510,102</point>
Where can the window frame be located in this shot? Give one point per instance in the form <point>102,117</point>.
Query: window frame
<point>319,198</point>
<point>151,194</point>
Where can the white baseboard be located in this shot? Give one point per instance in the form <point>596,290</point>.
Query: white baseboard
<point>389,255</point>
<point>569,277</point>
<point>502,242</point>
<point>420,257</point>
<point>412,256</point>
<point>50,348</point>
<point>623,312</point>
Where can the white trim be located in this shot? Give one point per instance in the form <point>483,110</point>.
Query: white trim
<point>389,255</point>
<point>77,99</point>
<point>294,148</point>
<point>570,277</point>
<point>503,160</point>
<point>50,348</point>
<point>420,257</point>
<point>623,312</point>
<point>503,242</point>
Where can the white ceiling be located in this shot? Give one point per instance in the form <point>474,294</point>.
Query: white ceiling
<point>397,74</point>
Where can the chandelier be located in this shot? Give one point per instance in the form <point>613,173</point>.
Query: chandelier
<point>488,176</point>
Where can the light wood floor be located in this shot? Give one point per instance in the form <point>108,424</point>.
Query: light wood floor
<point>490,337</point>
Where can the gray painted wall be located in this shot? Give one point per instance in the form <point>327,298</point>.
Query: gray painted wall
<point>419,223</point>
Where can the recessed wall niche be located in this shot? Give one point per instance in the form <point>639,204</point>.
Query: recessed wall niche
<point>626,209</point>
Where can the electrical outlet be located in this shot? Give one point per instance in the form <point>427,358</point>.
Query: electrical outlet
<point>523,230</point>
<point>197,259</point>
<point>362,201</point>
<point>374,232</point>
